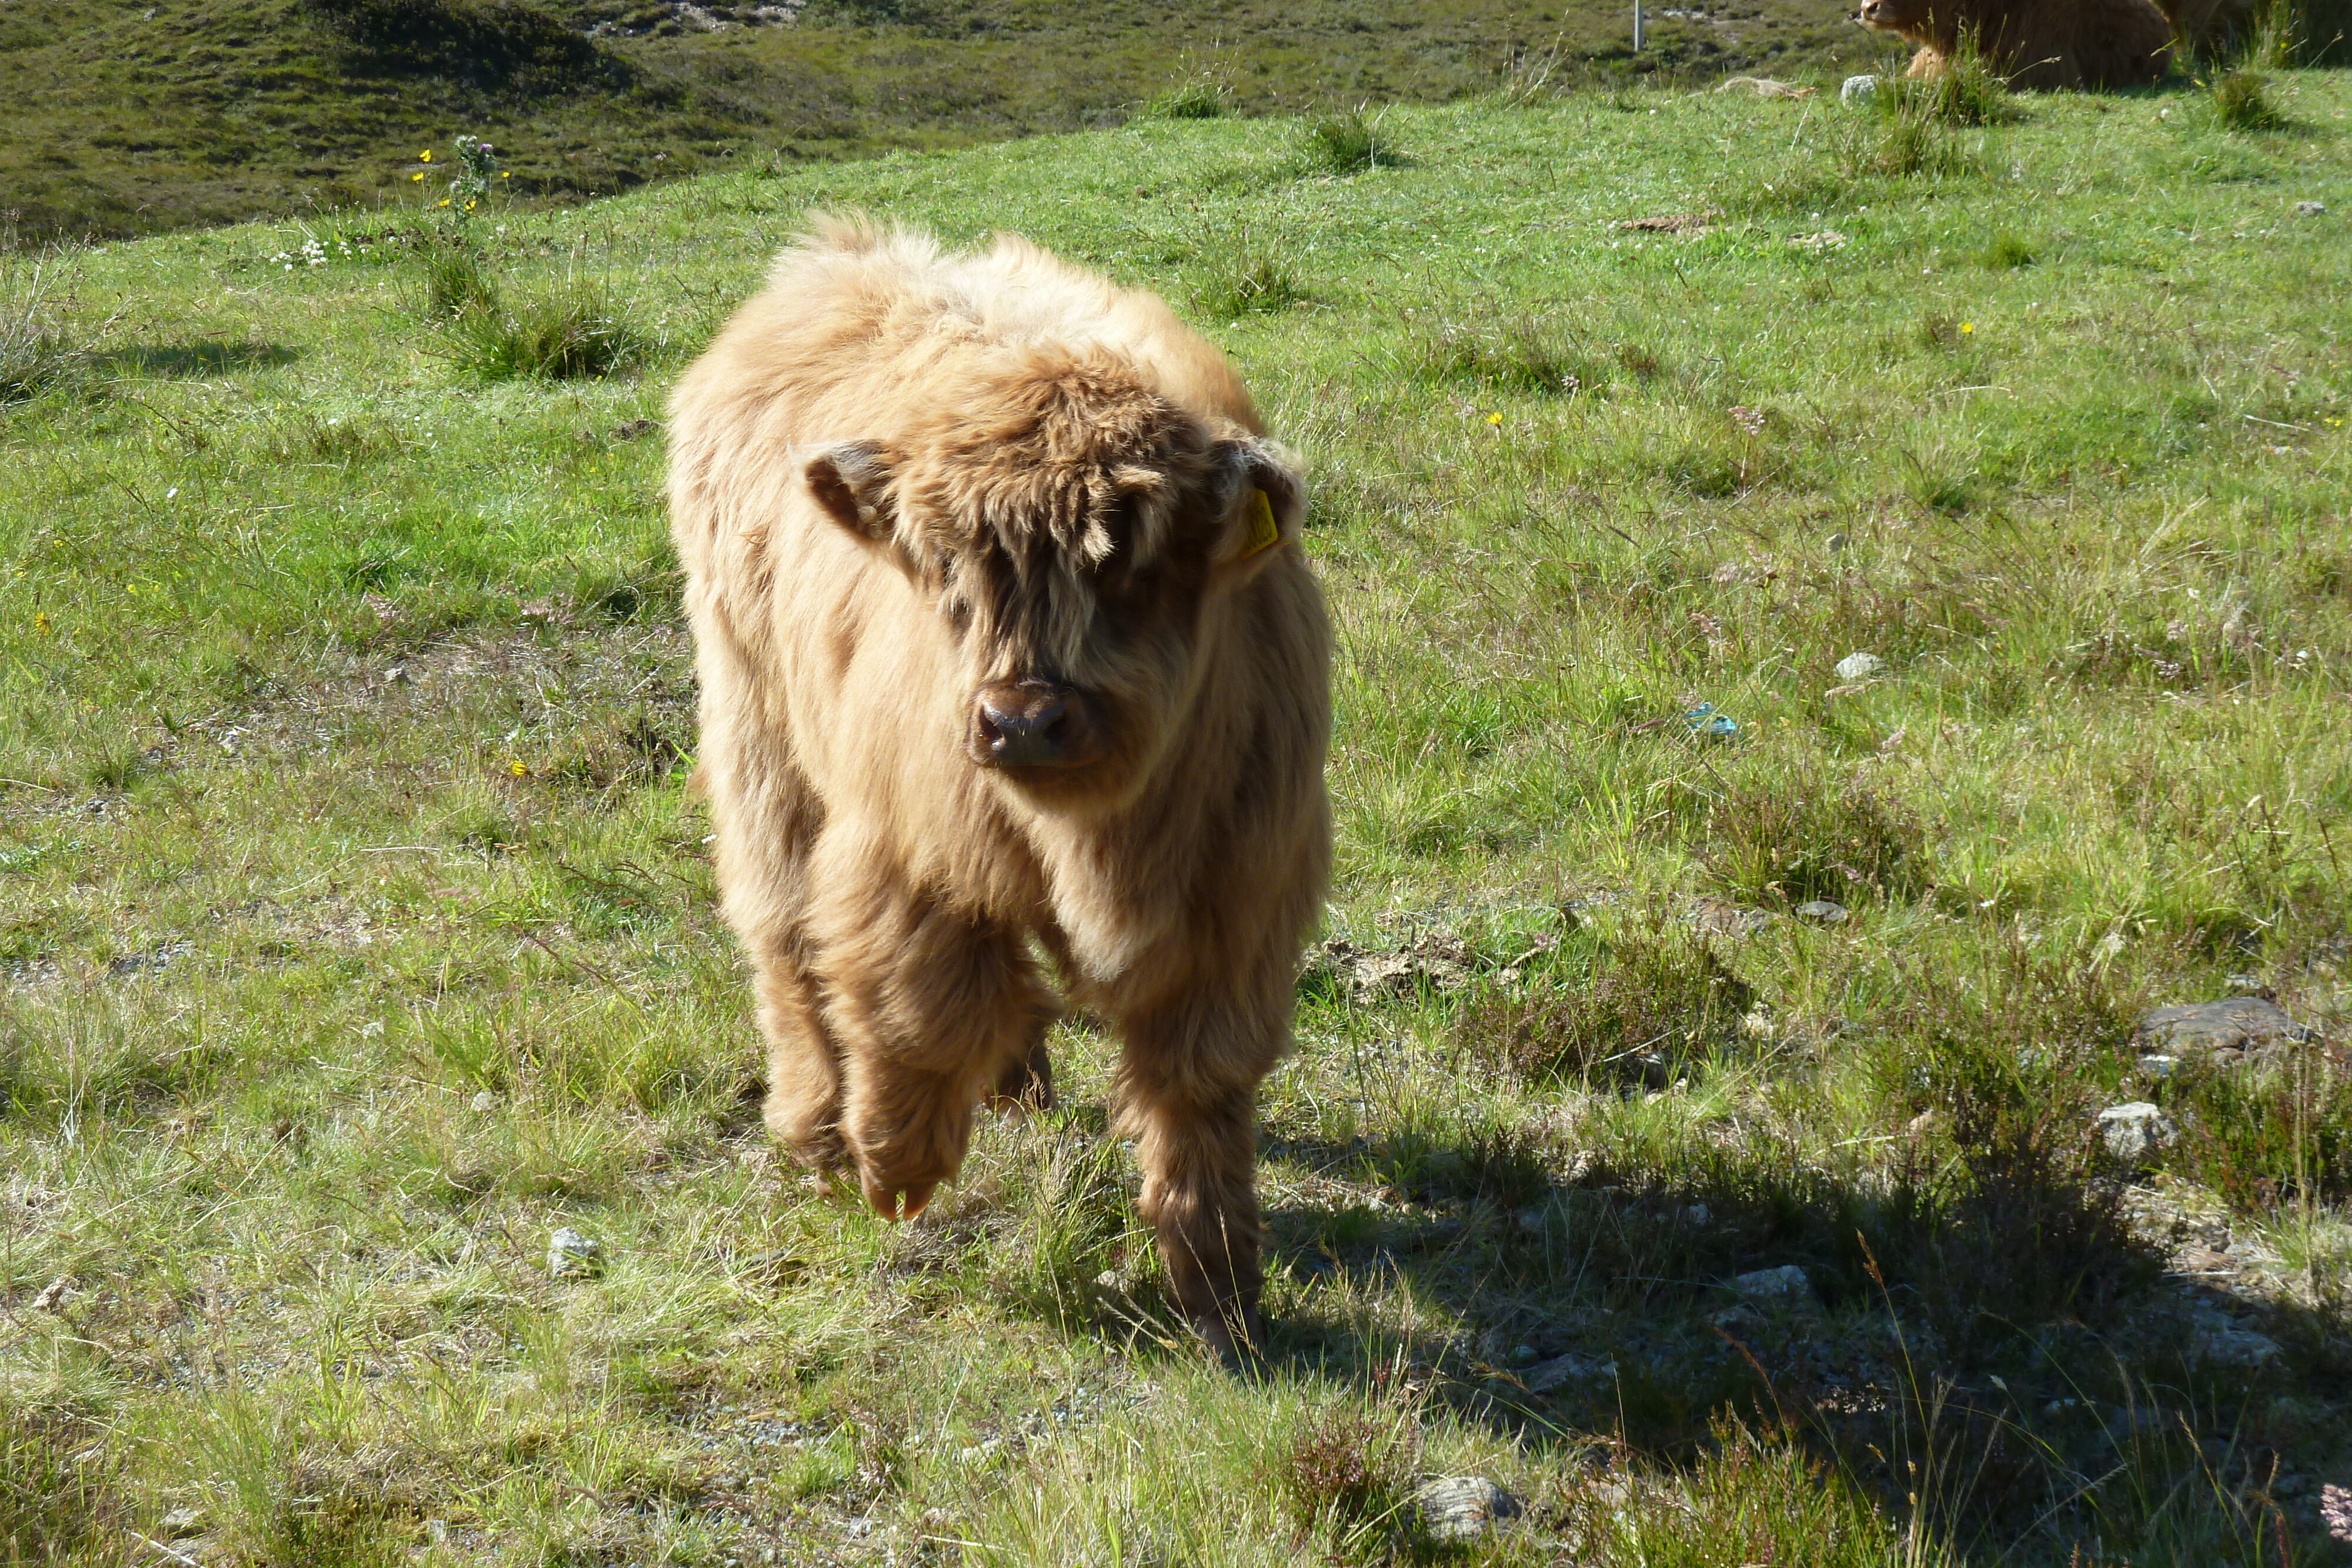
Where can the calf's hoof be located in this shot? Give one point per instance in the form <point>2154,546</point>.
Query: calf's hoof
<point>896,1201</point>
<point>1236,1335</point>
<point>817,1148</point>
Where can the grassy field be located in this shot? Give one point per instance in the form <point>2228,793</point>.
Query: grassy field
<point>128,117</point>
<point>356,933</point>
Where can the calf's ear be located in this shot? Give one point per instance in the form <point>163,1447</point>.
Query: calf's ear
<point>851,480</point>
<point>1266,507</point>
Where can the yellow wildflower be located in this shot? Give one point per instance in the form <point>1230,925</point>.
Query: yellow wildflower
<point>426,155</point>
<point>516,768</point>
<point>1494,419</point>
<point>442,203</point>
<point>1968,329</point>
<point>418,175</point>
<point>41,622</point>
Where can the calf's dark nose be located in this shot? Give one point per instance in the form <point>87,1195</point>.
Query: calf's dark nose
<point>1024,724</point>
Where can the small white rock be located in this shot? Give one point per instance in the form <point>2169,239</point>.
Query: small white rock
<point>1822,912</point>
<point>181,1523</point>
<point>1786,1285</point>
<point>2310,209</point>
<point>1859,667</point>
<point>2137,1130</point>
<point>1858,90</point>
<point>571,1256</point>
<point>1463,1508</point>
<point>484,1102</point>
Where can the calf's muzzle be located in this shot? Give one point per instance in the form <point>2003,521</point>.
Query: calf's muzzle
<point>1033,724</point>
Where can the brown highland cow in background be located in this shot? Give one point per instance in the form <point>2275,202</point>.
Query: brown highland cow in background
<point>2035,43</point>
<point>1005,634</point>
<point>2210,27</point>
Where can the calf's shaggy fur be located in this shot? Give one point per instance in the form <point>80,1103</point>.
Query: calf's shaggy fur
<point>1005,644</point>
<point>2035,43</point>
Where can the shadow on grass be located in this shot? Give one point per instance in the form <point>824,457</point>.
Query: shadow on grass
<point>191,361</point>
<point>2000,1357</point>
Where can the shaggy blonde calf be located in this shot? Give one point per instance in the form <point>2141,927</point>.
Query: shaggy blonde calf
<point>1005,639</point>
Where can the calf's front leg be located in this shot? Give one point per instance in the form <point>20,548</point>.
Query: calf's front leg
<point>930,1008</point>
<point>1188,1097</point>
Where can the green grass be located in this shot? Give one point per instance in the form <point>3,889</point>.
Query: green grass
<point>127,117</point>
<point>356,932</point>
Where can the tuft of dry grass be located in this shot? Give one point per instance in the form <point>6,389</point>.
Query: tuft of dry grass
<point>1638,1010</point>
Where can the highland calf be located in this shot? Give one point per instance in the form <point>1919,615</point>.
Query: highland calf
<point>1005,638</point>
<point>2035,43</point>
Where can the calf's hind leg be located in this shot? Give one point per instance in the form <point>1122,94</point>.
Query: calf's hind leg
<point>765,821</point>
<point>932,1009</point>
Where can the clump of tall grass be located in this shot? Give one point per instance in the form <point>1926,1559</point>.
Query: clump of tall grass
<point>456,282</point>
<point>59,1495</point>
<point>1967,91</point>
<point>1530,76</point>
<point>1349,143</point>
<point>36,350</point>
<point>1195,95</point>
<point>570,334</point>
<point>2242,100</point>
<point>1900,140</point>
<point>1906,127</point>
<point>1248,277</point>
<point>1633,1012</point>
<point>574,330</point>
<point>1524,354</point>
<point>2007,252</point>
<point>1780,845</point>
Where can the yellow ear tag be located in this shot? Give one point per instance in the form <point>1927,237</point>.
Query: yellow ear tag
<point>1262,533</point>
